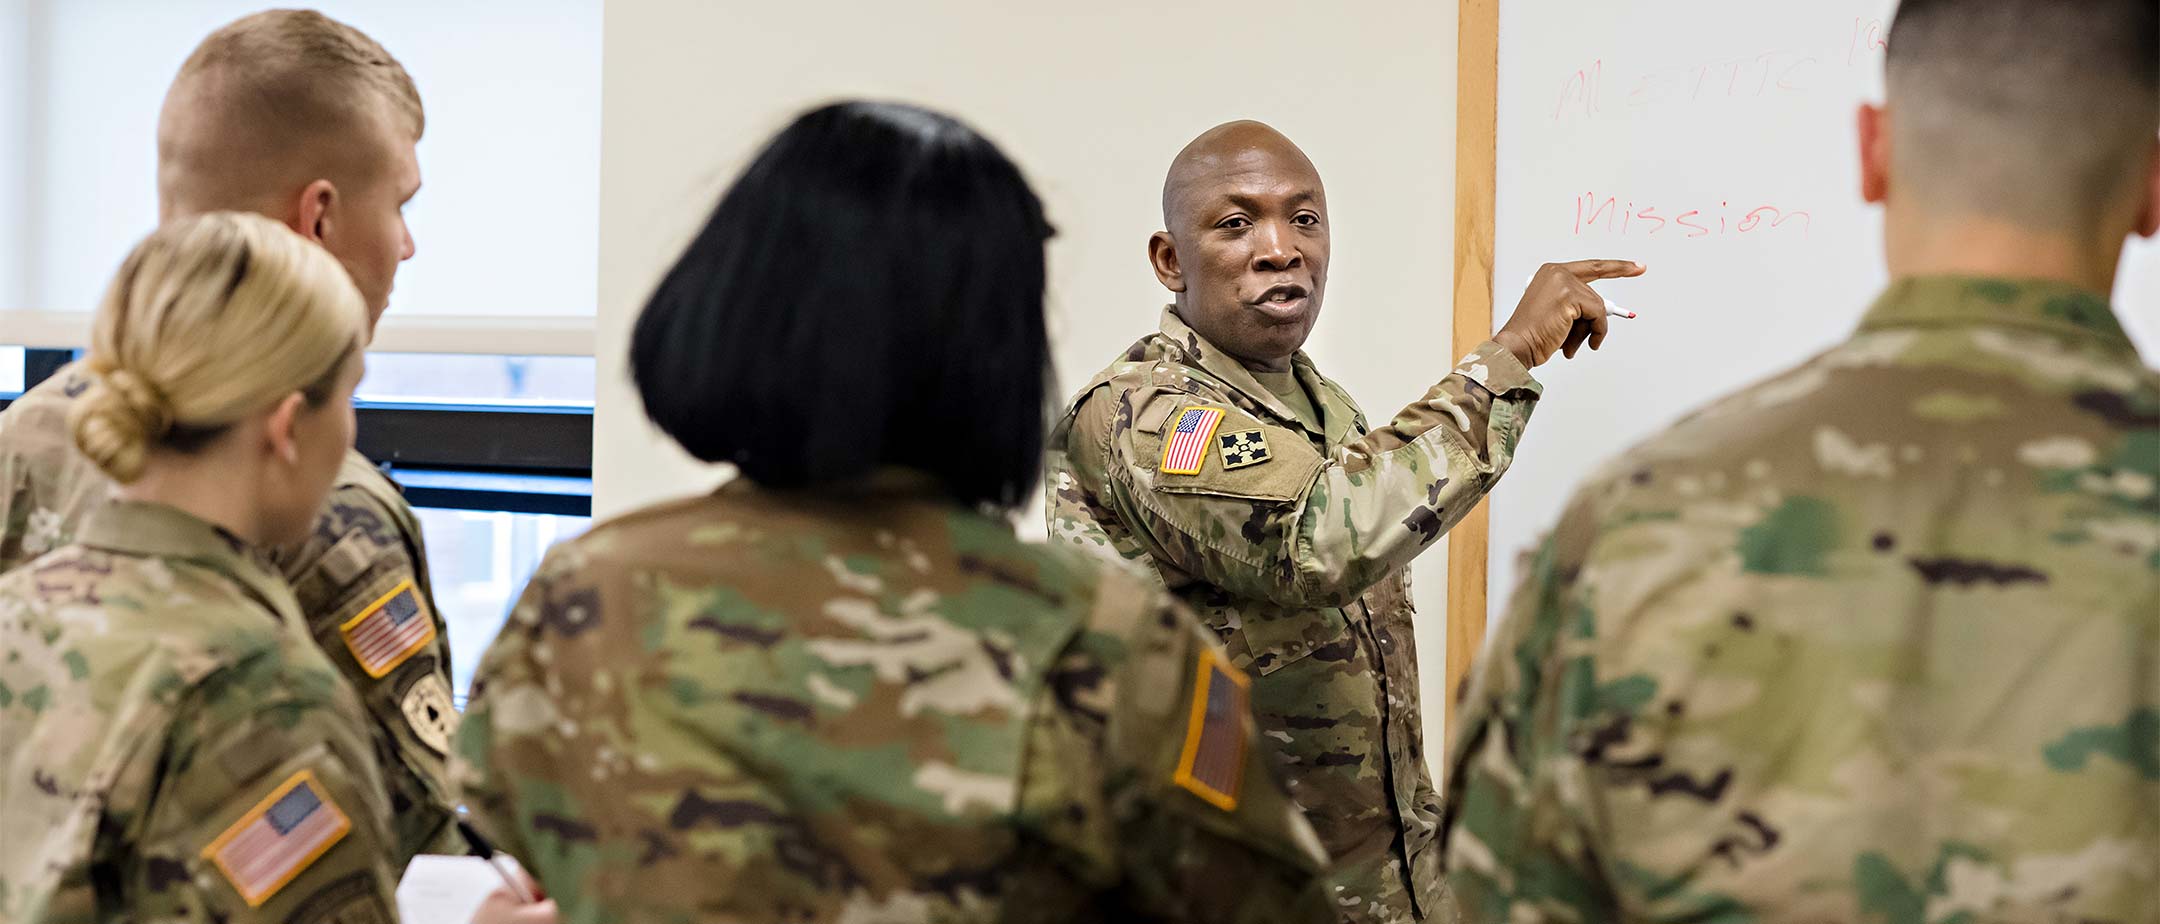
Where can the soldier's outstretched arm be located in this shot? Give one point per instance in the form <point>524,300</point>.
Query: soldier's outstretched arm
<point>271,808</point>
<point>1252,507</point>
<point>1144,761</point>
<point>1266,515</point>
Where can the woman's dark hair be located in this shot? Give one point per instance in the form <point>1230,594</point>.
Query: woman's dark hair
<point>868,294</point>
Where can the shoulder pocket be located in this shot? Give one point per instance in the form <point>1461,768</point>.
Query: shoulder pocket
<point>1211,448</point>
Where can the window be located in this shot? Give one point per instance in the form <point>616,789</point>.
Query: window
<point>506,223</point>
<point>478,562</point>
<point>437,378</point>
<point>490,501</point>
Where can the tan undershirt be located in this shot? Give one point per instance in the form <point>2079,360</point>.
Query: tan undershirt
<point>1286,386</point>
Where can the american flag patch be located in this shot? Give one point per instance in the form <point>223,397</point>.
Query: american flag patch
<point>1187,446</point>
<point>390,630</point>
<point>278,838</point>
<point>1213,763</point>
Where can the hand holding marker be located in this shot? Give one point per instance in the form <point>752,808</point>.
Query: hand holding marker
<point>1612,308</point>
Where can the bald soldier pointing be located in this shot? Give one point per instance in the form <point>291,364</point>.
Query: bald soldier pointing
<point>1215,453</point>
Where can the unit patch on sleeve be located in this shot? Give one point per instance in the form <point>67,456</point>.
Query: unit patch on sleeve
<point>1212,765</point>
<point>1243,448</point>
<point>427,709</point>
<point>278,838</point>
<point>1186,449</point>
<point>389,630</point>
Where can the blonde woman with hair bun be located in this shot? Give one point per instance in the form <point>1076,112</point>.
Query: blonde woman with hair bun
<point>220,327</point>
<point>173,745</point>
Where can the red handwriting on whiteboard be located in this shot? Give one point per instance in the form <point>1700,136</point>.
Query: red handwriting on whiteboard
<point>1627,217</point>
<point>1770,73</point>
<point>1743,77</point>
<point>1582,89</point>
<point>1867,37</point>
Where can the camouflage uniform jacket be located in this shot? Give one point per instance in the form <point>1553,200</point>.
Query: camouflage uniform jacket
<point>172,746</point>
<point>364,561</point>
<point>1875,640</point>
<point>871,706</point>
<point>1291,543</point>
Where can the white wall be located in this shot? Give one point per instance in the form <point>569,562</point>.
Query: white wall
<point>505,222</point>
<point>2137,296</point>
<point>17,69</point>
<point>1092,100</point>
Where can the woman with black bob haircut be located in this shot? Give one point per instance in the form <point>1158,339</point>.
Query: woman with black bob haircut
<point>840,686</point>
<point>868,295</point>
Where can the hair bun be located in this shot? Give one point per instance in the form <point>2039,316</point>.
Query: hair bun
<point>117,420</point>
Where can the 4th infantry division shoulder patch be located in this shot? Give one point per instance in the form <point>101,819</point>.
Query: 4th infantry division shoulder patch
<point>278,838</point>
<point>1243,448</point>
<point>1212,765</point>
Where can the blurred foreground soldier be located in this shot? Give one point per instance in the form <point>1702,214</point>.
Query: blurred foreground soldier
<point>1879,638</point>
<point>839,688</point>
<point>1215,453</point>
<point>303,119</point>
<point>172,745</point>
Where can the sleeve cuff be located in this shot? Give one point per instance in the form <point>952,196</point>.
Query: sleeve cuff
<point>1496,368</point>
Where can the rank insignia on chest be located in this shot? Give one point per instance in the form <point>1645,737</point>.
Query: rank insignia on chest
<point>1243,448</point>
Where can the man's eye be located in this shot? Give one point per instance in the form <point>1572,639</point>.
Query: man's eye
<point>1234,222</point>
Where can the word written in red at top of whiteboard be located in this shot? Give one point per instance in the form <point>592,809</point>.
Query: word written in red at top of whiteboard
<point>1742,77</point>
<point>1623,217</point>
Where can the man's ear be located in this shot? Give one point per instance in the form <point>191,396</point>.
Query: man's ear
<point>1163,256</point>
<point>1874,154</point>
<point>310,212</point>
<point>280,431</point>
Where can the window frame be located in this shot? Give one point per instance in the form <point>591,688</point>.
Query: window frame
<point>526,458</point>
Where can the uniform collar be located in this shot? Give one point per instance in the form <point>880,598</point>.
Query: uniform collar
<point>2055,307</point>
<point>156,530</point>
<point>887,483</point>
<point>1339,418</point>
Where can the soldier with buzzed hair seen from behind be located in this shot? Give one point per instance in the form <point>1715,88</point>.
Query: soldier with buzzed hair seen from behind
<point>1877,639</point>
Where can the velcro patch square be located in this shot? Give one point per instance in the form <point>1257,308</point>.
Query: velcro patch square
<point>1186,449</point>
<point>389,630</point>
<point>1212,765</point>
<point>278,838</point>
<point>1243,448</point>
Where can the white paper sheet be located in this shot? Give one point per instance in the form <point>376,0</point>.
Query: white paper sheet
<point>444,889</point>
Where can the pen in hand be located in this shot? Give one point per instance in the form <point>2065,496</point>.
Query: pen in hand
<point>485,850</point>
<point>1612,308</point>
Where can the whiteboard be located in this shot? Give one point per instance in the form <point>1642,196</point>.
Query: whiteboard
<point>1715,141</point>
